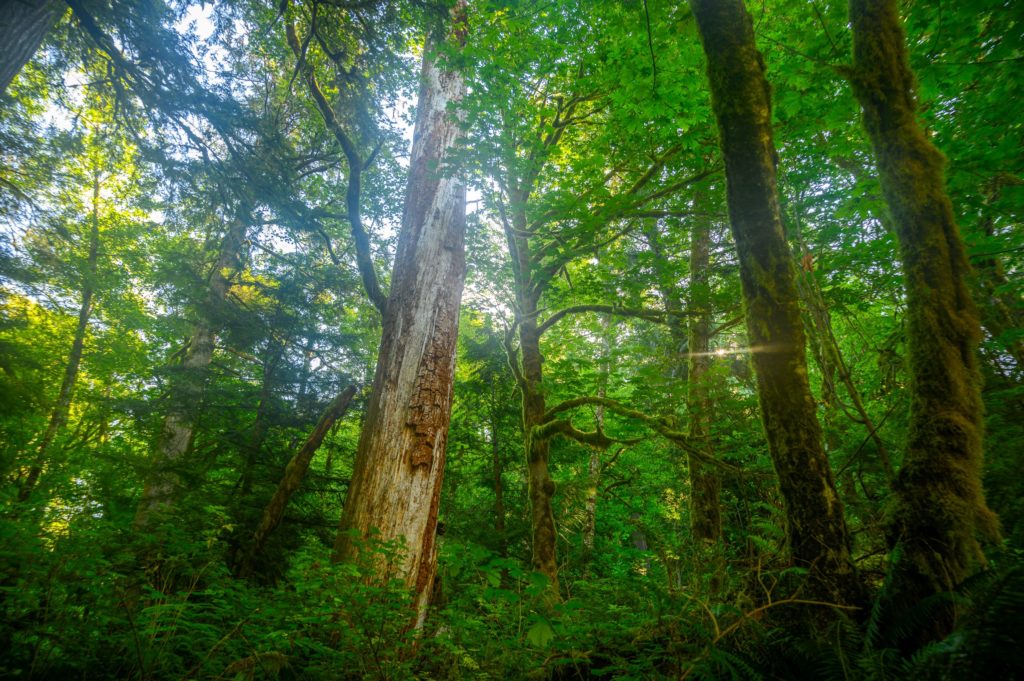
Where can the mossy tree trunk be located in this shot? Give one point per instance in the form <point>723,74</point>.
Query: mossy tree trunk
<point>538,450</point>
<point>939,509</point>
<point>694,339</point>
<point>816,528</point>
<point>396,483</point>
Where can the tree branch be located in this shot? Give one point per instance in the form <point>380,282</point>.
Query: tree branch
<point>564,427</point>
<point>657,316</point>
<point>364,259</point>
<point>657,424</point>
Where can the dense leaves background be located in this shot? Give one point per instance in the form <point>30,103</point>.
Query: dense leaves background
<point>187,115</point>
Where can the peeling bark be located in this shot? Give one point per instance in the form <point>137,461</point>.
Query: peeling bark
<point>939,510</point>
<point>164,483</point>
<point>396,483</point>
<point>816,528</point>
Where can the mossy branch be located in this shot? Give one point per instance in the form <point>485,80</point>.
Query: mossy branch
<point>659,425</point>
<point>650,315</point>
<point>596,438</point>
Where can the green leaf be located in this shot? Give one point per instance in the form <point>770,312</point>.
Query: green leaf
<point>540,634</point>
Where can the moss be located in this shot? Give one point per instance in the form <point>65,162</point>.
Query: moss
<point>741,99</point>
<point>939,511</point>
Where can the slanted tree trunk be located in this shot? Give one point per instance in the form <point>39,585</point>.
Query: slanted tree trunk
<point>294,474</point>
<point>59,415</point>
<point>23,26</point>
<point>396,483</point>
<point>816,528</point>
<point>939,509</point>
<point>164,482</point>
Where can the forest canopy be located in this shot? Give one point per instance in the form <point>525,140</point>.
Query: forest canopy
<point>459,339</point>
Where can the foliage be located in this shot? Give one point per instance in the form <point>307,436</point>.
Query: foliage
<point>590,139</point>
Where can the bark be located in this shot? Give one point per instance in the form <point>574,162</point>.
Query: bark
<point>294,474</point>
<point>705,484</point>
<point>541,488</point>
<point>164,482</point>
<point>816,528</point>
<point>939,508</point>
<point>23,26</point>
<point>396,483</point>
<point>498,469</point>
<point>59,415</point>
<point>594,465</point>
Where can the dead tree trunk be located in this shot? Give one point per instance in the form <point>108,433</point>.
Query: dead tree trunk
<point>816,528</point>
<point>939,510</point>
<point>23,26</point>
<point>59,415</point>
<point>294,474</point>
<point>396,483</point>
<point>164,483</point>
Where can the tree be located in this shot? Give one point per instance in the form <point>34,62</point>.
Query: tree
<point>396,483</point>
<point>164,482</point>
<point>816,527</point>
<point>23,26</point>
<point>939,510</point>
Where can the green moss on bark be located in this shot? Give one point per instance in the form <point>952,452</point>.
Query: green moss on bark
<point>817,532</point>
<point>939,511</point>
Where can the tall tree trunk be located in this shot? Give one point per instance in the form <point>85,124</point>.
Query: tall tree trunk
<point>23,26</point>
<point>594,464</point>
<point>498,469</point>
<point>164,483</point>
<point>59,415</point>
<point>705,484</point>
<point>294,474</point>
<point>939,507</point>
<point>816,528</point>
<point>396,483</point>
<point>541,488</point>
